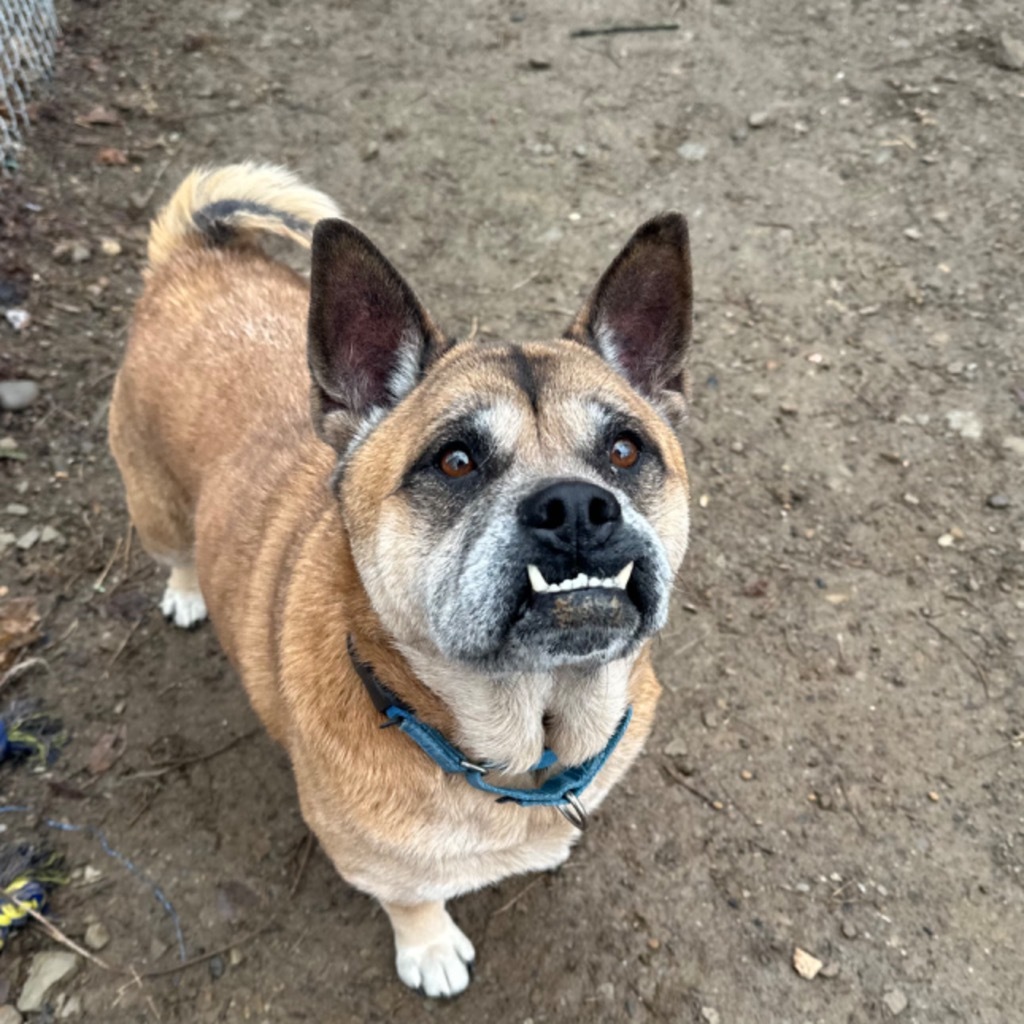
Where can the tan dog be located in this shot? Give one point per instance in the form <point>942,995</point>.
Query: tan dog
<point>484,534</point>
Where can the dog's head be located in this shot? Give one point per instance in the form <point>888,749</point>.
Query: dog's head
<point>511,506</point>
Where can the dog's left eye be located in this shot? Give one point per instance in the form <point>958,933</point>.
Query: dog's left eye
<point>456,462</point>
<point>624,452</point>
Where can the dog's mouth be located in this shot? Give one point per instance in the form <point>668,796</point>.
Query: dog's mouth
<point>580,617</point>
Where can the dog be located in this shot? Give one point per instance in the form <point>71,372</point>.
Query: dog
<point>472,541</point>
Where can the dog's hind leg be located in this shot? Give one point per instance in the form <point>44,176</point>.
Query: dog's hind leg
<point>431,952</point>
<point>162,516</point>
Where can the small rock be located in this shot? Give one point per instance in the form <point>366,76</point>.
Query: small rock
<point>676,747</point>
<point>913,234</point>
<point>539,63</point>
<point>964,422</point>
<point>895,1001</point>
<point>606,991</point>
<point>9,1015</point>
<point>830,970</point>
<point>19,319</point>
<point>946,540</point>
<point>806,965</point>
<point>994,501</point>
<point>759,118</point>
<point>235,957</point>
<point>217,967</point>
<point>47,971</point>
<point>849,930</point>
<point>1014,444</point>
<point>28,539</point>
<point>693,152</point>
<point>1009,53</point>
<point>110,247</point>
<point>71,1008</point>
<point>50,535</point>
<point>710,718</point>
<point>6,540</point>
<point>580,152</point>
<point>14,509</point>
<point>370,151</point>
<point>710,1015</point>
<point>97,936</point>
<point>16,395</point>
<point>71,251</point>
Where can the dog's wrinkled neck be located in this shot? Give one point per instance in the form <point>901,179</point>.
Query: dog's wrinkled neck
<point>509,720</point>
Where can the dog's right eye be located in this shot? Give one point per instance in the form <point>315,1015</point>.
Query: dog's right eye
<point>455,462</point>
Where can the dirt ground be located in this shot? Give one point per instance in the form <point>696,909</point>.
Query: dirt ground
<point>837,764</point>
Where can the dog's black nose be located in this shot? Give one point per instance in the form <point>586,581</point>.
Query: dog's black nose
<point>571,515</point>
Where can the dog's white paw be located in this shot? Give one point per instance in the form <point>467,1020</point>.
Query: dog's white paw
<point>439,967</point>
<point>185,608</point>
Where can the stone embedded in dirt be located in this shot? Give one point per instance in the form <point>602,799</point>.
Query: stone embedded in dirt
<point>849,930</point>
<point>1014,444</point>
<point>1009,53</point>
<point>96,936</point>
<point>830,970</point>
<point>51,535</point>
<point>47,971</point>
<point>805,964</point>
<point>71,251</point>
<point>19,319</point>
<point>676,748</point>
<point>28,539</point>
<point>693,152</point>
<point>964,422</point>
<point>14,509</point>
<point>998,501</point>
<point>110,247</point>
<point>710,1015</point>
<point>759,119</point>
<point>896,1002</point>
<point>16,395</point>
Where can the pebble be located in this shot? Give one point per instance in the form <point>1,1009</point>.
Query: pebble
<point>1010,52</point>
<point>16,395</point>
<point>28,539</point>
<point>19,319</point>
<point>759,118</point>
<point>849,930</point>
<point>710,718</point>
<point>964,422</point>
<point>693,152</point>
<point>71,1008</point>
<point>830,970</point>
<point>710,1015</point>
<point>946,540</point>
<point>97,936</point>
<point>14,509</point>
<point>235,957</point>
<point>896,1001</point>
<point>370,151</point>
<point>47,971</point>
<point>805,964</point>
<point>998,501</point>
<point>71,251</point>
<point>913,234</point>
<point>110,247</point>
<point>6,540</point>
<point>1014,444</point>
<point>676,747</point>
<point>50,535</point>
<point>217,967</point>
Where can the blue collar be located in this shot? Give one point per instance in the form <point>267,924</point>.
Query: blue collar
<point>561,791</point>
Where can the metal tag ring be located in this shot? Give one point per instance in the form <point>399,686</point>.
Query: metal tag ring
<point>573,811</point>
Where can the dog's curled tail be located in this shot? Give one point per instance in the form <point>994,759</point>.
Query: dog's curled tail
<point>215,207</point>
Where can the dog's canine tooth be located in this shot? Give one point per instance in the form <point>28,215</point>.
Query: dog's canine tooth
<point>537,581</point>
<point>622,578</point>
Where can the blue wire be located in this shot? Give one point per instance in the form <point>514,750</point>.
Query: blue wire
<point>95,833</point>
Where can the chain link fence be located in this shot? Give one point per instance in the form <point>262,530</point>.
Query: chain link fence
<point>28,37</point>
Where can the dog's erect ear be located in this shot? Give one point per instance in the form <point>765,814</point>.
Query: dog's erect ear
<point>370,340</point>
<point>640,315</point>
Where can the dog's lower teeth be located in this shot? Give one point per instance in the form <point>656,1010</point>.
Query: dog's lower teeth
<point>539,585</point>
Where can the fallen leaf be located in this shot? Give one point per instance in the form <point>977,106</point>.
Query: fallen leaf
<point>19,627</point>
<point>98,116</point>
<point>109,156</point>
<point>107,751</point>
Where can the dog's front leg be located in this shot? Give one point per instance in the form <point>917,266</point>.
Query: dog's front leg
<point>431,952</point>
